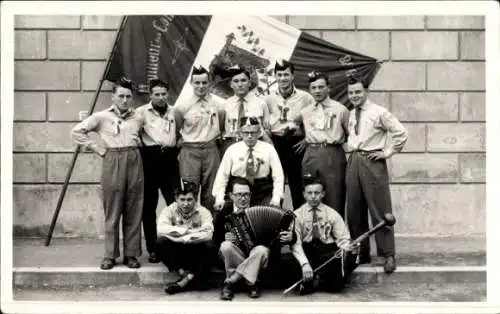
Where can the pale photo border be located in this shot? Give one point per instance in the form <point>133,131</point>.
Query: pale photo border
<point>489,9</point>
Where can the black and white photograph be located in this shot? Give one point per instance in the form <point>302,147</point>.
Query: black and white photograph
<point>244,157</point>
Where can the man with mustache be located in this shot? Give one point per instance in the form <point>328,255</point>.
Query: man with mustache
<point>374,136</point>
<point>200,119</point>
<point>285,105</point>
<point>159,153</point>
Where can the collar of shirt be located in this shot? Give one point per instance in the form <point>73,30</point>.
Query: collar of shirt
<point>188,215</point>
<point>153,111</point>
<point>118,113</point>
<point>196,99</point>
<point>236,209</point>
<point>366,105</point>
<point>293,92</point>
<point>320,207</point>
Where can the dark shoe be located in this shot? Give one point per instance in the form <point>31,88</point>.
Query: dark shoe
<point>253,291</point>
<point>153,259</point>
<point>306,288</point>
<point>364,260</point>
<point>107,263</point>
<point>200,284</point>
<point>227,292</point>
<point>173,288</point>
<point>131,262</point>
<point>389,265</point>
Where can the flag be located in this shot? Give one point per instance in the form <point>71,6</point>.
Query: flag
<point>168,46</point>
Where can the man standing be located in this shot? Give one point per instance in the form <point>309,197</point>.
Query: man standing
<point>255,160</point>
<point>237,264</point>
<point>320,232</point>
<point>159,153</point>
<point>374,136</point>
<point>325,125</point>
<point>285,105</point>
<point>243,104</point>
<point>199,119</point>
<point>184,245</point>
<point>122,180</point>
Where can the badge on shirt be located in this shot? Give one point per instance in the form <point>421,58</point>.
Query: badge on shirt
<point>212,114</point>
<point>283,113</point>
<point>329,116</point>
<point>169,123</point>
<point>117,123</point>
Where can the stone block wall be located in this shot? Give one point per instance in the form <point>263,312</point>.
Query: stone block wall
<point>432,79</point>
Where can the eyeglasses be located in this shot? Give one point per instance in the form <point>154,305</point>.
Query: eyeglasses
<point>242,195</point>
<point>245,133</point>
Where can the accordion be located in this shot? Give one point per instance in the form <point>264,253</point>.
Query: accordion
<point>258,225</point>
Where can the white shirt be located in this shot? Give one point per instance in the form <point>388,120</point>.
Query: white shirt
<point>378,129</point>
<point>234,164</point>
<point>253,106</point>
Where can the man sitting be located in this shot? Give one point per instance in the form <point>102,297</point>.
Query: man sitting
<point>237,264</point>
<point>320,232</point>
<point>184,243</point>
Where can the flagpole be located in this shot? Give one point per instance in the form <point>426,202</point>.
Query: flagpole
<point>77,150</point>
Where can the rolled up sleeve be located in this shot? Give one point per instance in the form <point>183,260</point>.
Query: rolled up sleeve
<point>79,134</point>
<point>397,132</point>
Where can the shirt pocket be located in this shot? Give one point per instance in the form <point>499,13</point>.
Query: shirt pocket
<point>317,122</point>
<point>307,225</point>
<point>372,123</point>
<point>194,118</point>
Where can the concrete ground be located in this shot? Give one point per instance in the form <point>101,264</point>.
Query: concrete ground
<point>67,270</point>
<point>449,292</point>
<point>414,251</point>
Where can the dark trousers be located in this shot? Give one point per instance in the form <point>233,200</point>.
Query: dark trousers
<point>286,270</point>
<point>226,142</point>
<point>195,258</point>
<point>368,189</point>
<point>198,163</point>
<point>161,171</point>
<point>122,182</point>
<point>292,165</point>
<point>330,163</point>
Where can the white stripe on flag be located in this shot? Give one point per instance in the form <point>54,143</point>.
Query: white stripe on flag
<point>277,38</point>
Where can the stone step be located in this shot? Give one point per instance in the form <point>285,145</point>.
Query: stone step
<point>39,277</point>
<point>75,262</point>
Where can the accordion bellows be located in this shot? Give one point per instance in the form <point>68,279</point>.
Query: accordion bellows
<point>259,225</point>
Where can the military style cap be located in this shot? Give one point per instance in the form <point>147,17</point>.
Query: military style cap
<point>199,70</point>
<point>282,64</point>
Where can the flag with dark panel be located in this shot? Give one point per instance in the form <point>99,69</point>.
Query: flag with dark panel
<point>168,46</point>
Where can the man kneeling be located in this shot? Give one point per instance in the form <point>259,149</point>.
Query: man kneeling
<point>184,244</point>
<point>320,232</point>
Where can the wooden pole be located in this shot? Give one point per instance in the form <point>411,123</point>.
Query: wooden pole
<point>77,150</point>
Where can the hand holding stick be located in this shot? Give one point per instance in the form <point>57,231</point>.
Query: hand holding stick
<point>389,220</point>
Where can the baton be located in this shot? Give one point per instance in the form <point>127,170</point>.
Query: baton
<point>389,220</point>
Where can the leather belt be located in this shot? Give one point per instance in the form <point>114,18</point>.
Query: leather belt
<point>323,144</point>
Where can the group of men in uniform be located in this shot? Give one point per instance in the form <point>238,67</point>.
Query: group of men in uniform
<point>235,154</point>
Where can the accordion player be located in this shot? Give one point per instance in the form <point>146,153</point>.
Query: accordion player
<point>259,225</point>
